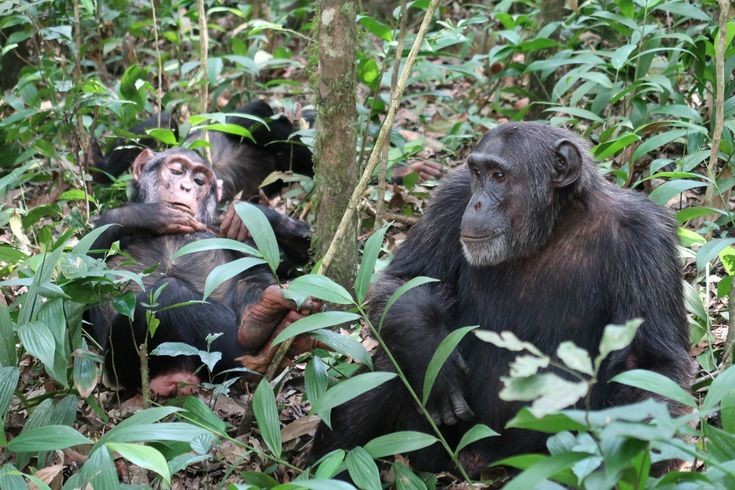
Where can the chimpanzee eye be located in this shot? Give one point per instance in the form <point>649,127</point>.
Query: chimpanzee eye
<point>175,171</point>
<point>476,172</point>
<point>498,175</point>
<point>199,181</point>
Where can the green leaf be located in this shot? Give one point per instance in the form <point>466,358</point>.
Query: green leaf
<point>657,141</point>
<point>540,471</point>
<point>198,412</point>
<point>349,389</point>
<point>685,10</point>
<point>9,377</point>
<point>330,464</point>
<point>147,416</point>
<point>655,383</point>
<point>620,55</point>
<point>261,231</point>
<point>344,345</point>
<point>163,431</point>
<point>549,392</point>
<point>399,443</point>
<point>407,479</point>
<point>362,469</point>
<point>551,423</point>
<point>376,27</point>
<point>85,372</point>
<point>38,340</point>
<point>8,354</point>
<point>575,357</point>
<point>143,456</point>
<point>315,321</point>
<point>367,264</point>
<point>315,485</point>
<point>47,438</point>
<point>445,349</point>
<point>174,349</point>
<point>727,412</point>
<point>164,135</point>
<point>227,271</point>
<point>266,413</point>
<point>99,470</point>
<point>82,247</point>
<point>610,148</point>
<point>662,194</point>
<point>476,433</point>
<point>216,244</point>
<point>316,380</point>
<point>320,287</point>
<point>723,384</point>
<point>507,340</point>
<point>616,337</point>
<point>11,478</point>
<point>405,287</point>
<point>710,250</point>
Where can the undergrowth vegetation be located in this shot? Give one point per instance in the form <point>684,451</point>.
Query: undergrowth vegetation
<point>639,79</point>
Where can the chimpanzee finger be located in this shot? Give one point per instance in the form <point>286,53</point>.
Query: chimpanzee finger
<point>447,413</point>
<point>461,363</point>
<point>311,305</point>
<point>224,227</point>
<point>459,405</point>
<point>242,231</point>
<point>435,417</point>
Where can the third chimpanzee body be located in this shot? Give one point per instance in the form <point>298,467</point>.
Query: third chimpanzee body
<point>527,238</point>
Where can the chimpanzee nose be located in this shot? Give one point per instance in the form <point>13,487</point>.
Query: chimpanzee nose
<point>478,206</point>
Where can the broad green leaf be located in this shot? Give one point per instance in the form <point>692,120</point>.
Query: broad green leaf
<point>85,371</point>
<point>330,464</point>
<point>662,194</point>
<point>11,478</point>
<point>576,112</point>
<point>174,349</point>
<point>216,244</point>
<point>655,383</point>
<point>8,382</point>
<point>616,337</point>
<point>147,416</point>
<point>163,431</point>
<point>344,345</point>
<point>320,287</point>
<point>476,433</point>
<point>710,250</point>
<point>407,479</point>
<point>266,413</point>
<point>549,392</point>
<point>399,443</point>
<point>99,470</point>
<point>362,469</point>
<point>164,135</point>
<point>367,264</point>
<point>225,272</point>
<point>38,340</point>
<point>47,438</point>
<point>727,412</point>
<point>143,456</point>
<point>445,349</point>
<point>540,471</point>
<point>685,10</point>
<point>376,27</point>
<point>403,289</point>
<point>657,141</point>
<point>620,56</point>
<point>315,321</point>
<point>82,247</point>
<point>507,340</point>
<point>315,485</point>
<point>8,354</point>
<point>349,389</point>
<point>316,380</point>
<point>723,384</point>
<point>259,479</point>
<point>551,423</point>
<point>575,357</point>
<point>198,412</point>
<point>261,231</point>
<point>610,148</point>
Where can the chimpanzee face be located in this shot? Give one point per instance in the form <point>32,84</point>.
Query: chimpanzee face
<point>178,177</point>
<point>516,172</point>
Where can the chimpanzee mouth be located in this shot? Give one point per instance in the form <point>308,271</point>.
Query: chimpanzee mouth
<point>478,238</point>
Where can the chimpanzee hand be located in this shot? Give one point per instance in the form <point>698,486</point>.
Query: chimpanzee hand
<point>233,227</point>
<point>172,218</point>
<point>447,403</point>
<point>426,170</point>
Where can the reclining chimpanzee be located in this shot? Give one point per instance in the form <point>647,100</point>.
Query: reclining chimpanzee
<point>174,202</point>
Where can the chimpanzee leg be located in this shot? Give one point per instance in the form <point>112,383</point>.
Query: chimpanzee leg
<point>188,324</point>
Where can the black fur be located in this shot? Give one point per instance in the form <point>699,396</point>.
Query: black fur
<point>580,256</point>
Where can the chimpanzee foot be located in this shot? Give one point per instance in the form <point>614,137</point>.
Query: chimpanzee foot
<point>175,383</point>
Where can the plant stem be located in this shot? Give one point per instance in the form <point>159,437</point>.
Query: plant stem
<point>204,64</point>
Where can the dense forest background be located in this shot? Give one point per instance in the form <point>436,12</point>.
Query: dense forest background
<point>649,83</point>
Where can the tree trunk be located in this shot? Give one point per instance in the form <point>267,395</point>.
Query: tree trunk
<point>334,147</point>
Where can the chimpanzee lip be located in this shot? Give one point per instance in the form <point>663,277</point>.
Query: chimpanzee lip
<point>477,238</point>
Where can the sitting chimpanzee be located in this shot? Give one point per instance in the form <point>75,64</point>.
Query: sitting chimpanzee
<point>528,238</point>
<point>174,201</point>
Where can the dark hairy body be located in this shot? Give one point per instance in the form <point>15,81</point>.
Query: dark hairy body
<point>174,201</point>
<point>527,238</point>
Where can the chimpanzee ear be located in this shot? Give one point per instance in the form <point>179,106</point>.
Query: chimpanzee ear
<point>220,183</point>
<point>141,162</point>
<point>568,164</point>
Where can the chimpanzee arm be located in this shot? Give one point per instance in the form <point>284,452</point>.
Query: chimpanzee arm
<point>293,235</point>
<point>144,218</point>
<point>646,283</point>
<point>418,322</point>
